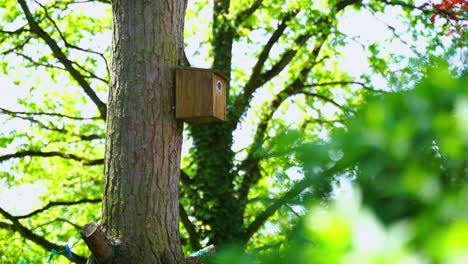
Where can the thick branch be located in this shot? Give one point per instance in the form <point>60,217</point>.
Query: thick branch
<point>223,37</point>
<point>58,203</point>
<point>33,153</point>
<point>265,53</point>
<point>58,53</point>
<point>258,78</point>
<point>248,12</point>
<point>193,236</point>
<point>39,240</point>
<point>285,59</point>
<point>7,226</point>
<point>97,243</point>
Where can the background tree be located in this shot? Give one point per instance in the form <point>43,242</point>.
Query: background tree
<point>402,207</point>
<point>279,55</point>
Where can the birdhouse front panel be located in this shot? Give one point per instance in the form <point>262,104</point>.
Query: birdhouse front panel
<point>219,98</point>
<point>200,95</point>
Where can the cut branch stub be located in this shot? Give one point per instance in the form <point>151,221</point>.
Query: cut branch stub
<point>96,241</point>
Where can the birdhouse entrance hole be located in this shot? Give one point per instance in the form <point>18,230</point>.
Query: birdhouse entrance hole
<point>220,86</point>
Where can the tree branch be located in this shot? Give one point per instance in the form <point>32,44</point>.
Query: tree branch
<point>39,123</point>
<point>310,120</point>
<point>363,85</point>
<point>33,153</point>
<point>16,47</point>
<point>66,3</point>
<point>69,45</point>
<point>77,227</point>
<point>58,203</point>
<point>39,240</point>
<point>193,236</point>
<point>326,99</point>
<point>258,78</point>
<point>58,53</point>
<point>251,163</point>
<point>265,53</point>
<point>285,198</point>
<point>9,112</point>
<point>7,226</point>
<point>15,32</point>
<point>266,247</point>
<point>53,127</point>
<point>36,63</point>
<point>18,32</point>
<point>402,4</point>
<point>292,210</point>
<point>343,83</point>
<point>244,14</point>
<point>184,178</point>
<point>295,88</point>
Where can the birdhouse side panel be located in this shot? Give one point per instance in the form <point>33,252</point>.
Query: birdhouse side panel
<point>220,88</point>
<point>193,94</point>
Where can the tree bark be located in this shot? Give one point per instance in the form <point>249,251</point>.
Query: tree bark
<point>140,210</point>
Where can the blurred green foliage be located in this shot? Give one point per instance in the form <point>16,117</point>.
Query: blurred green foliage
<point>406,156</point>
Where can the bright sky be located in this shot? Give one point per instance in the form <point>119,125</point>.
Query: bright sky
<point>23,199</point>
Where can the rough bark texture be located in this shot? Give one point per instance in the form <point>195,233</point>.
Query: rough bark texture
<point>143,142</point>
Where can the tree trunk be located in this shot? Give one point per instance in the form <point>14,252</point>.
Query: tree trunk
<point>143,143</point>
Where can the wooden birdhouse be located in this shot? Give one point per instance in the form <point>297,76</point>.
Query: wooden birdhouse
<point>200,95</point>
